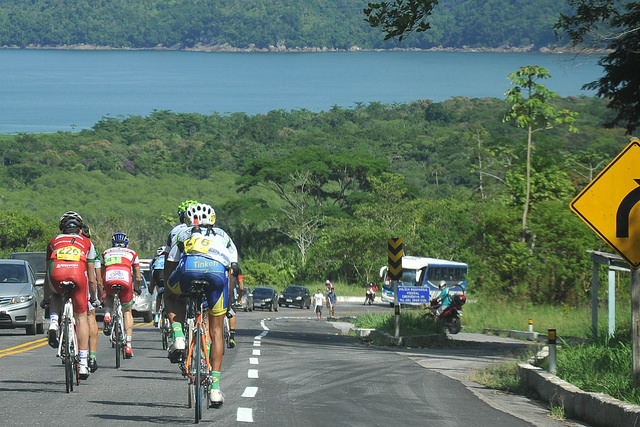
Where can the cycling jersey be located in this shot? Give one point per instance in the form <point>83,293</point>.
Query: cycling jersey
<point>203,254</point>
<point>118,265</point>
<point>157,272</point>
<point>69,256</point>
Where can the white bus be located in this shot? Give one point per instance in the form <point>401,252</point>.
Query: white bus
<point>427,272</point>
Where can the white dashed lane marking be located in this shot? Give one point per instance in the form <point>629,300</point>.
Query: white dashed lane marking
<point>245,415</point>
<point>250,392</point>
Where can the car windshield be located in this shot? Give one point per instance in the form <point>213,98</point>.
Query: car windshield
<point>13,273</point>
<point>262,292</point>
<point>296,290</point>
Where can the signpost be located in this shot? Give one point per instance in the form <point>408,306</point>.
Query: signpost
<point>394,273</point>
<point>610,206</point>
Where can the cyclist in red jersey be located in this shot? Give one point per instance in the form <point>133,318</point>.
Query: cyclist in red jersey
<point>70,257</point>
<point>119,264</point>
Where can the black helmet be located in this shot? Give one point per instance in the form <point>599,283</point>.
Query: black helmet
<point>70,219</point>
<point>119,239</point>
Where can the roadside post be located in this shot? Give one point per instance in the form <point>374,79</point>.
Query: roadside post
<point>530,325</point>
<point>551,341</point>
<point>608,205</point>
<point>394,273</point>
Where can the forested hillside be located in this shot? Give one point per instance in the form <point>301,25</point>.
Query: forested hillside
<point>308,196</point>
<point>261,24</point>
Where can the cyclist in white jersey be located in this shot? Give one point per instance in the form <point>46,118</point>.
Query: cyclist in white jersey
<point>174,304</point>
<point>204,252</point>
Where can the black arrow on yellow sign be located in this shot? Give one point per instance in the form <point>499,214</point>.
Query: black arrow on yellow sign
<point>394,253</point>
<point>624,210</point>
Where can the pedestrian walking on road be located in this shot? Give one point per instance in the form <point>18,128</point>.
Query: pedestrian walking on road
<point>318,301</point>
<point>331,301</point>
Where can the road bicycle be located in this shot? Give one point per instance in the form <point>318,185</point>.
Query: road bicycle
<point>68,343</point>
<point>197,365</point>
<point>165,327</point>
<point>118,336</point>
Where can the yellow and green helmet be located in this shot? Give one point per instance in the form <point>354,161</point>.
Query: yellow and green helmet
<point>182,209</point>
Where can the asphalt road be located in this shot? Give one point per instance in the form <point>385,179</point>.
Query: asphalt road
<point>287,370</point>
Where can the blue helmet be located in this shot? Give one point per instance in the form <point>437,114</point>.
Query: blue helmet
<point>119,239</point>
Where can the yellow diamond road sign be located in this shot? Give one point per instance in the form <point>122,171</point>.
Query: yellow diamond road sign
<point>610,204</point>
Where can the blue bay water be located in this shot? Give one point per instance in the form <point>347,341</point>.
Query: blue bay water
<point>64,90</point>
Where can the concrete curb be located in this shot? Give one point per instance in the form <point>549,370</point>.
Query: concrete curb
<point>409,341</point>
<point>597,409</point>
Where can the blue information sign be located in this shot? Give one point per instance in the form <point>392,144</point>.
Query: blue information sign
<point>413,295</point>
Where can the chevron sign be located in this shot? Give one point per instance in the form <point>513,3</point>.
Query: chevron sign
<point>394,253</point>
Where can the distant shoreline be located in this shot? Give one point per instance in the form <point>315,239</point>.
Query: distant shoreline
<point>284,49</point>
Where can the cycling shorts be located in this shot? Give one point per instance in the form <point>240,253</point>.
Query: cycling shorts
<point>64,271</point>
<point>117,275</point>
<point>196,267</point>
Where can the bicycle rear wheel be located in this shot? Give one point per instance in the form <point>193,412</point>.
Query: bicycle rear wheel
<point>68,361</point>
<point>197,357</point>
<point>191,397</point>
<point>165,329</point>
<point>225,333</point>
<point>117,338</point>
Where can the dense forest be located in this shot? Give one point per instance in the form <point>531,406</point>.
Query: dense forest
<point>308,196</point>
<point>261,24</point>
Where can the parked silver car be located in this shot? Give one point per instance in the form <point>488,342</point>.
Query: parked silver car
<point>20,297</point>
<point>247,299</point>
<point>144,305</point>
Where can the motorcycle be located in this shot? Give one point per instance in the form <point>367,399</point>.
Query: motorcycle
<point>370,294</point>
<point>451,315</point>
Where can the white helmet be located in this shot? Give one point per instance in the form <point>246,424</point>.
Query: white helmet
<point>204,214</point>
<point>442,284</point>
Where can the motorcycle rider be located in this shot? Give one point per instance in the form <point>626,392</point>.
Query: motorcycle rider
<point>370,294</point>
<point>445,299</point>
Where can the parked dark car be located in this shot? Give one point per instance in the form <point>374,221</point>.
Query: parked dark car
<point>265,298</point>
<point>298,296</point>
<point>20,297</point>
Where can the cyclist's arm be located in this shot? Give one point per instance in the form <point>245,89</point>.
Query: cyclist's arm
<point>237,272</point>
<point>99,281</point>
<point>93,284</point>
<point>137,278</point>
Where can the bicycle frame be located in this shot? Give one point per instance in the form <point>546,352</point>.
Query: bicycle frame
<point>68,342</point>
<point>198,358</point>
<point>118,333</point>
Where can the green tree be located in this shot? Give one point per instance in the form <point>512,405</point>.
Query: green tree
<point>20,232</point>
<point>614,25</point>
<point>400,17</point>
<point>531,108</point>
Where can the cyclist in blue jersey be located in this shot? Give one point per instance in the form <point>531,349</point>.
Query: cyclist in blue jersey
<point>157,280</point>
<point>204,252</point>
